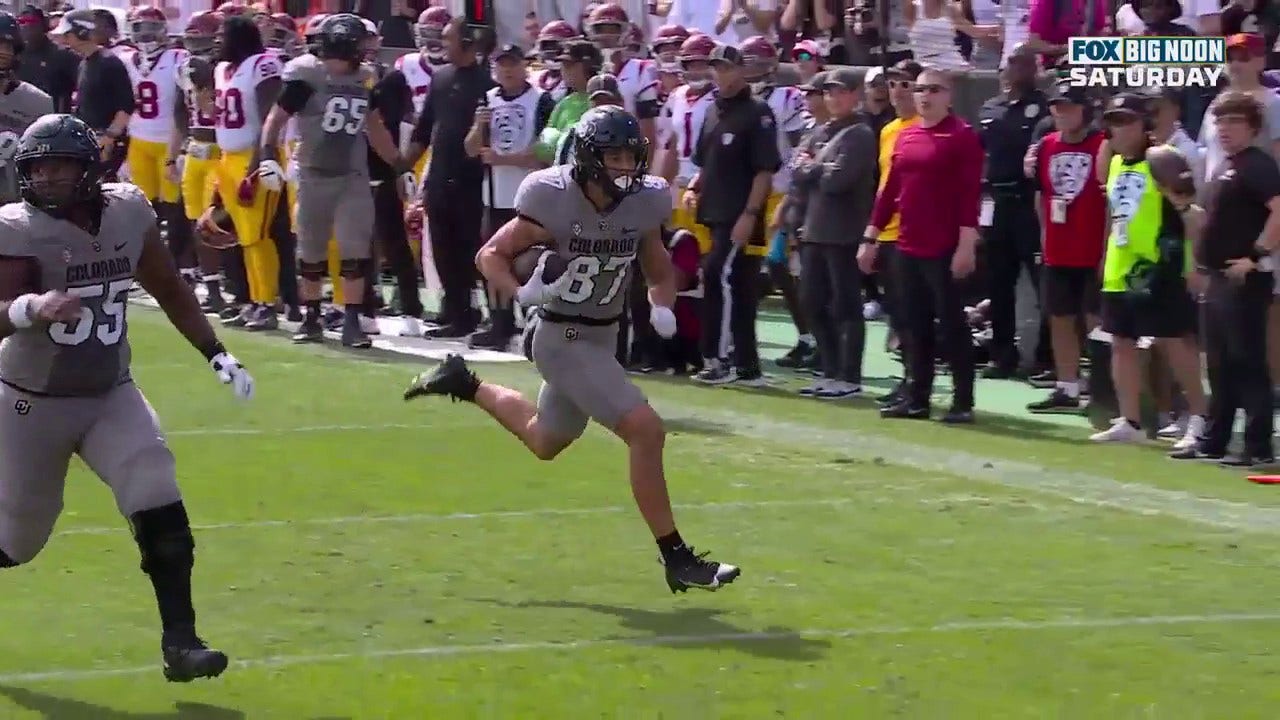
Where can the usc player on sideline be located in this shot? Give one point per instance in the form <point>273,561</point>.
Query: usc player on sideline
<point>686,111</point>
<point>246,84</point>
<point>153,71</point>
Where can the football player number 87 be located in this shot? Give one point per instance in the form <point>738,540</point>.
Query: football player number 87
<point>583,272</point>
<point>343,114</point>
<point>109,328</point>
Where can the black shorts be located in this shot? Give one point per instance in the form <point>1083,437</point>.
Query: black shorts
<point>1169,317</point>
<point>1069,291</point>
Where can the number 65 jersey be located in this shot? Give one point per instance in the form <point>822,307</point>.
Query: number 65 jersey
<point>331,136</point>
<point>599,246</point>
<point>90,355</point>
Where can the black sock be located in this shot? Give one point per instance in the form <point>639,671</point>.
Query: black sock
<point>313,310</point>
<point>213,287</point>
<point>670,544</point>
<point>164,538</point>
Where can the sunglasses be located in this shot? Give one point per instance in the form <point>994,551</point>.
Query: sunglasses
<point>931,89</point>
<point>803,56</point>
<point>901,84</point>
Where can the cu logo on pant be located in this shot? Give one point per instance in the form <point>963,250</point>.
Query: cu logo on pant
<point>22,407</point>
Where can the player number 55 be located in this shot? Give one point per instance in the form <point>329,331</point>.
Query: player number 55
<point>581,284</point>
<point>110,329</point>
<point>343,114</point>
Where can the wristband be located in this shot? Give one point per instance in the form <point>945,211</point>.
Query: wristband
<point>19,311</point>
<point>270,152</point>
<point>212,350</point>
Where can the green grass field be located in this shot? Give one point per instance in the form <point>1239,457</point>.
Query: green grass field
<point>363,558</point>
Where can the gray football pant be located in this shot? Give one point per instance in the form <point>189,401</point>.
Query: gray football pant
<point>338,207</point>
<point>581,378</point>
<point>117,435</point>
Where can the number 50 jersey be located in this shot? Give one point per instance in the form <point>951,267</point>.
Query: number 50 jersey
<point>600,247</point>
<point>90,355</point>
<point>331,135</point>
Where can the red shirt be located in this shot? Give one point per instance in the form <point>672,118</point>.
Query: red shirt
<point>935,186</point>
<point>1068,171</point>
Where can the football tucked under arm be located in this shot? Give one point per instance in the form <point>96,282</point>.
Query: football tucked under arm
<point>525,263</point>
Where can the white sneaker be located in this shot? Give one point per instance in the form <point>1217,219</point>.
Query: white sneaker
<point>1119,432</point>
<point>815,387</point>
<point>1190,438</point>
<point>410,327</point>
<point>1171,427</point>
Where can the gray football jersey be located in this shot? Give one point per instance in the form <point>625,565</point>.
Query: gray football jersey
<point>331,137</point>
<point>89,356</point>
<point>599,247</point>
<point>18,109</point>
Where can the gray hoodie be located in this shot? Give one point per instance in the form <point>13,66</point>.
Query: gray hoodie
<point>839,183</point>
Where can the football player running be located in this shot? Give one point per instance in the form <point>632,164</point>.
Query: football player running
<point>68,255</point>
<point>20,104</point>
<point>153,70</point>
<point>246,84</point>
<point>598,214</point>
<point>193,147</point>
<point>328,96</point>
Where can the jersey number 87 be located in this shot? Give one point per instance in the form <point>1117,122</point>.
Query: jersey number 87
<point>583,270</point>
<point>343,114</point>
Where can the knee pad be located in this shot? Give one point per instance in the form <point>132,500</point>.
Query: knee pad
<point>164,538</point>
<point>312,271</point>
<point>353,269</point>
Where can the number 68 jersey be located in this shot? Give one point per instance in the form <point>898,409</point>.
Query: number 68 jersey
<point>90,355</point>
<point>600,247</point>
<point>331,136</point>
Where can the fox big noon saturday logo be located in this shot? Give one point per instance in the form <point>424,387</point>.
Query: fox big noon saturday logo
<point>1146,62</point>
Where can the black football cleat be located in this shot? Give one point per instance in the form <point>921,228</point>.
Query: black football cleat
<point>451,377</point>
<point>685,570</point>
<point>190,659</point>
<point>310,331</point>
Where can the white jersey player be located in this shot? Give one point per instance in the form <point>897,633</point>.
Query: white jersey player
<point>760,59</point>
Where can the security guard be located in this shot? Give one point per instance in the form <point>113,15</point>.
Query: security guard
<point>1010,228</point>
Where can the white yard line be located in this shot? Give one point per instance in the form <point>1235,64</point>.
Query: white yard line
<point>490,515</point>
<point>196,432</point>
<point>970,626</point>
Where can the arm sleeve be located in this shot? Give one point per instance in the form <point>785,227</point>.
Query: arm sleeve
<point>887,200</point>
<point>294,96</point>
<point>1263,179</point>
<point>763,145</point>
<point>854,160</point>
<point>542,114</point>
<point>426,123</point>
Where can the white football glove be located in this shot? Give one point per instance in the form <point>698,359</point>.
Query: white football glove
<point>663,321</point>
<point>231,372</point>
<point>8,145</point>
<point>536,292</point>
<point>271,175</point>
<point>408,186</point>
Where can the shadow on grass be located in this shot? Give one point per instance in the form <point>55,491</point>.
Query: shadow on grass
<point>691,628</point>
<point>58,708</point>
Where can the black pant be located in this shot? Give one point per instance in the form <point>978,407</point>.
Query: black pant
<point>1011,244</point>
<point>929,293</point>
<point>388,218</point>
<point>287,253</point>
<point>455,211</point>
<point>831,293</point>
<point>1235,339</point>
<point>730,300</point>
<point>502,318</point>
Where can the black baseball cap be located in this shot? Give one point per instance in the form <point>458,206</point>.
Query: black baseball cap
<point>510,50</point>
<point>909,69</point>
<point>1126,104</point>
<point>581,51</point>
<point>843,76</point>
<point>605,85</point>
<point>1065,92</point>
<point>725,53</point>
<point>815,83</point>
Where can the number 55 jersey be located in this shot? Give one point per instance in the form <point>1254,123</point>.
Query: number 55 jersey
<point>90,355</point>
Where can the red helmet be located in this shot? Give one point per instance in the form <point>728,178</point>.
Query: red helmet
<point>201,32</point>
<point>759,57</point>
<point>669,37</point>
<point>607,25</point>
<point>430,31</point>
<point>232,9</point>
<point>282,34</point>
<point>551,40</point>
<point>697,48</point>
<point>148,28</point>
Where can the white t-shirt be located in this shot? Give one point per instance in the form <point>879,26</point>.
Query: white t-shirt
<point>740,26</point>
<point>700,16</point>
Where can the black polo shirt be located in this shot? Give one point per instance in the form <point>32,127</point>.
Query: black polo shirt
<point>104,90</point>
<point>53,69</point>
<point>393,99</point>
<point>446,118</point>
<point>1007,128</point>
<point>1236,207</point>
<point>739,140</point>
